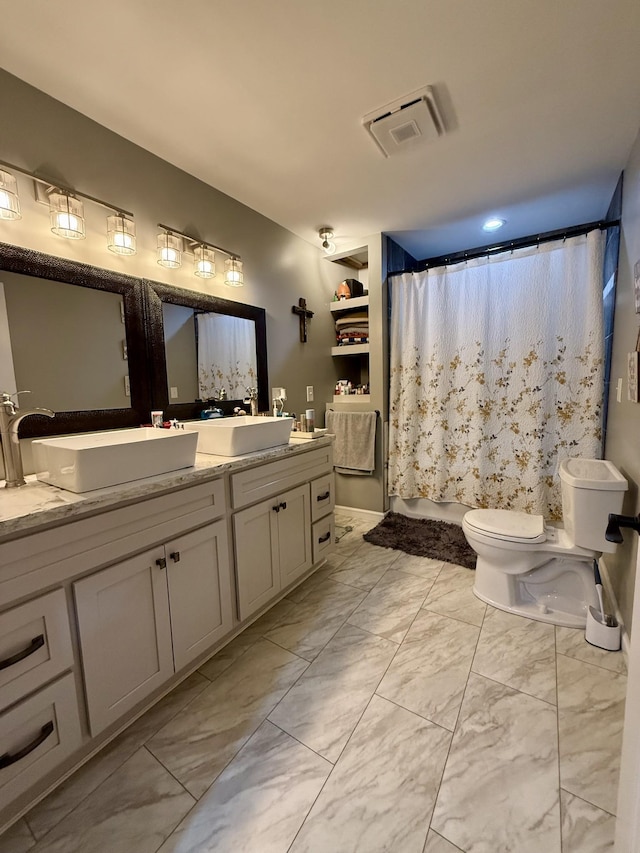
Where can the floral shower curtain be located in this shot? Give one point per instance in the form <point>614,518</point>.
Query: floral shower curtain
<point>226,355</point>
<point>497,375</point>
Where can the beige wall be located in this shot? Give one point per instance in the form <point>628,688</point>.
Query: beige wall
<point>42,135</point>
<point>623,431</point>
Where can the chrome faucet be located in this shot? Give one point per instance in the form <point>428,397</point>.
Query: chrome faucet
<point>10,419</point>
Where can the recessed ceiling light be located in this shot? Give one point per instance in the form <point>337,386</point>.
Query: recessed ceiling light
<point>493,224</point>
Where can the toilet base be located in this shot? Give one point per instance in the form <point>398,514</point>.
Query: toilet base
<point>559,592</point>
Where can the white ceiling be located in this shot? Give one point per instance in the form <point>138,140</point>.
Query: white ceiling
<point>264,100</point>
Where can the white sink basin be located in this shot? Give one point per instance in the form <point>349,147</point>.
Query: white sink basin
<point>237,436</point>
<point>89,461</point>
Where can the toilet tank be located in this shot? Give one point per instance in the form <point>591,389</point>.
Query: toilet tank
<point>591,489</point>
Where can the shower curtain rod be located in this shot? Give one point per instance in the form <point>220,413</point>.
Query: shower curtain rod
<point>521,243</point>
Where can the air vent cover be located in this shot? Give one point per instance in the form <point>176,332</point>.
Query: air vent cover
<point>408,123</point>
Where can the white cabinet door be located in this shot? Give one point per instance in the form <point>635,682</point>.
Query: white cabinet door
<point>256,540</point>
<point>198,572</point>
<point>294,534</point>
<point>273,547</point>
<point>123,620</point>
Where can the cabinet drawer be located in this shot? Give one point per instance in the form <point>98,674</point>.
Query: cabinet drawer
<point>258,483</point>
<point>35,645</point>
<point>323,535</point>
<point>322,496</point>
<point>36,735</point>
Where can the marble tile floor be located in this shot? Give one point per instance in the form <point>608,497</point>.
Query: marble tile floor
<point>379,707</point>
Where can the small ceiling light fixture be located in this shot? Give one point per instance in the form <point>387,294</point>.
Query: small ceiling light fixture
<point>169,250</point>
<point>9,201</point>
<point>204,261</point>
<point>493,224</point>
<point>233,276</point>
<point>67,215</point>
<point>121,234</point>
<point>326,235</point>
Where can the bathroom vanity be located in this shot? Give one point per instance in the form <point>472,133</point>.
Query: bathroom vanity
<point>109,598</point>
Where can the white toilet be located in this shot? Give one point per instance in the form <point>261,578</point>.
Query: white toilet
<point>529,567</point>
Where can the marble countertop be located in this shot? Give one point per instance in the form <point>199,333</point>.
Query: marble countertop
<point>39,505</point>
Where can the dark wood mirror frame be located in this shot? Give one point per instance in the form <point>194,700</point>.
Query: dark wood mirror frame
<point>157,294</point>
<point>28,262</point>
<point>144,332</point>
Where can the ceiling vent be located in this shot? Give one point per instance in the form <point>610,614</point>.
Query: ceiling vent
<point>407,123</point>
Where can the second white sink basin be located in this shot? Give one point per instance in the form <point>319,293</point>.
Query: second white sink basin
<point>81,463</point>
<point>237,436</point>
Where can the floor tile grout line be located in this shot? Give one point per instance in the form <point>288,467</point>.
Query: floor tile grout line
<point>495,680</point>
<point>592,663</point>
<point>559,767</point>
<point>455,726</point>
<point>583,799</point>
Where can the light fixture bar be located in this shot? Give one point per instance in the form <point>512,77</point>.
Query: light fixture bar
<point>196,242</point>
<point>53,185</point>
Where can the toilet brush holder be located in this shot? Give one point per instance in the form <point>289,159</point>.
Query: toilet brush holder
<point>602,631</point>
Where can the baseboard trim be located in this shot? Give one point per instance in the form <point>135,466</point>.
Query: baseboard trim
<point>364,514</point>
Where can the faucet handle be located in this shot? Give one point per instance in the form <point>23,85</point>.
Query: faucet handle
<point>7,396</point>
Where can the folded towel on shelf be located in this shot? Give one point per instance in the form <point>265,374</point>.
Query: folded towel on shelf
<point>350,319</point>
<point>355,441</point>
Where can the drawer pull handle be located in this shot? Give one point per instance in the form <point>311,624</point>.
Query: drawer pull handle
<point>34,645</point>
<point>283,505</point>
<point>324,538</point>
<point>324,497</point>
<point>7,760</point>
<point>175,556</point>
<point>161,563</point>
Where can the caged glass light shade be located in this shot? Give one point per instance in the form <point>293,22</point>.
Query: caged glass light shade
<point>233,276</point>
<point>204,262</point>
<point>67,215</point>
<point>121,234</point>
<point>9,201</point>
<point>169,250</point>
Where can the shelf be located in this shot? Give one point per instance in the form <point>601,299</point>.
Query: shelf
<point>349,304</point>
<point>351,349</point>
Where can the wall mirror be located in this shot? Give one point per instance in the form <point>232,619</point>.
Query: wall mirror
<point>73,335</point>
<point>90,344</point>
<point>200,345</point>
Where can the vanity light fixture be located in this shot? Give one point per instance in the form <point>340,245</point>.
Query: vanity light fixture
<point>233,276</point>
<point>204,256</point>
<point>326,235</point>
<point>493,224</point>
<point>204,261</point>
<point>169,249</point>
<point>67,215</point>
<point>121,234</point>
<point>9,201</point>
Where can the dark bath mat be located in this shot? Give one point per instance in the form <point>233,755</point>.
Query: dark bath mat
<point>423,537</point>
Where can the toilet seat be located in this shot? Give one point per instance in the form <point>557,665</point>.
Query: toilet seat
<point>507,525</point>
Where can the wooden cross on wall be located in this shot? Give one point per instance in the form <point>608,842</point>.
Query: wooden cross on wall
<point>301,310</point>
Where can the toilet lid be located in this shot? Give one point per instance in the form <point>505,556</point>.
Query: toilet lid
<point>507,524</point>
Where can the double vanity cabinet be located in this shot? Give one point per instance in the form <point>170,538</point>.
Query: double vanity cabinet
<point>109,599</point>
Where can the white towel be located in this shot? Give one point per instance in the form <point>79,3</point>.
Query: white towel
<point>355,442</point>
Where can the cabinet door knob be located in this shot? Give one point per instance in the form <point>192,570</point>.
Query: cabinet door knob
<point>175,556</point>
<point>324,497</point>
<point>276,508</point>
<point>34,645</point>
<point>283,504</point>
<point>161,563</point>
<point>7,760</point>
